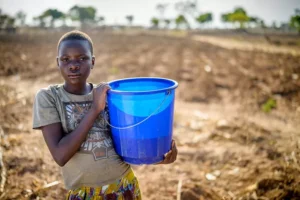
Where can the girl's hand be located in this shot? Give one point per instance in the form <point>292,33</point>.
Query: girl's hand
<point>170,156</point>
<point>99,97</point>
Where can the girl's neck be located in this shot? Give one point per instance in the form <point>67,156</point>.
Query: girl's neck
<point>78,89</point>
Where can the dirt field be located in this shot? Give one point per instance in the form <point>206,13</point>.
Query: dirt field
<point>236,118</point>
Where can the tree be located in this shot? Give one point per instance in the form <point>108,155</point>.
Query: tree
<point>225,18</point>
<point>181,20</point>
<point>54,15</point>
<point>155,22</point>
<point>240,10</point>
<point>129,19</point>
<point>101,20</point>
<point>11,22</point>
<point>262,24</point>
<point>204,18</point>
<point>255,21</point>
<point>3,20</point>
<point>84,15</point>
<point>295,20</point>
<point>161,9</point>
<point>274,25</point>
<point>21,17</point>
<point>63,19</point>
<point>8,23</point>
<point>41,20</point>
<point>167,23</point>
<point>187,7</point>
<point>239,15</point>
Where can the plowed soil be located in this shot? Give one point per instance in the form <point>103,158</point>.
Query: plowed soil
<point>236,118</point>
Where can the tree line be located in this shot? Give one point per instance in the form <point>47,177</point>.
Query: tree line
<point>187,11</point>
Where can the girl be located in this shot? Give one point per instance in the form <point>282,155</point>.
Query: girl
<point>76,134</point>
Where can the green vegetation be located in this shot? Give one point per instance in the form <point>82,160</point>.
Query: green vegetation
<point>269,105</point>
<point>295,20</point>
<point>51,14</point>
<point>130,19</point>
<point>240,16</point>
<point>167,23</point>
<point>186,10</point>
<point>161,10</point>
<point>21,17</point>
<point>85,15</point>
<point>40,20</point>
<point>181,20</point>
<point>100,20</point>
<point>155,22</point>
<point>204,18</point>
<point>54,15</point>
<point>6,21</point>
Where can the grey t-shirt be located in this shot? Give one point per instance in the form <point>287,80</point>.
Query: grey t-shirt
<point>96,162</point>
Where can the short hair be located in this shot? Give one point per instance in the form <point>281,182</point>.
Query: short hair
<point>76,35</point>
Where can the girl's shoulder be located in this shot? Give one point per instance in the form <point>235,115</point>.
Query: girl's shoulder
<point>49,92</point>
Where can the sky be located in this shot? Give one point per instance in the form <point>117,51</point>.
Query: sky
<point>115,11</point>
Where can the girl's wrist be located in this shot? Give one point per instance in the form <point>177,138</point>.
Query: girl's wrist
<point>94,112</point>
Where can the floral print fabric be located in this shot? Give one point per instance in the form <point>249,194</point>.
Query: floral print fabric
<point>126,188</point>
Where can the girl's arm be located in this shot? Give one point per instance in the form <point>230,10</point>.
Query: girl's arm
<point>62,147</point>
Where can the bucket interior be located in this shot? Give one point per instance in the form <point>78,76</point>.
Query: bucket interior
<point>139,85</point>
<point>140,97</point>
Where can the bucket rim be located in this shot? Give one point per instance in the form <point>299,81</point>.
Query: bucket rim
<point>174,86</point>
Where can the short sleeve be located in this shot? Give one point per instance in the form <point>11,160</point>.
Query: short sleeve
<point>44,109</point>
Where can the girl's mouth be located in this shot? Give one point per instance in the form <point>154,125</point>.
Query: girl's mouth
<point>73,76</point>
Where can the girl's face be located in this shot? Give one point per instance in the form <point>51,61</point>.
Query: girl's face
<point>75,61</point>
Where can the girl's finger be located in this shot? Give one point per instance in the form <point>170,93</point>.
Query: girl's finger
<point>175,149</point>
<point>173,157</point>
<point>107,87</point>
<point>168,155</point>
<point>100,84</point>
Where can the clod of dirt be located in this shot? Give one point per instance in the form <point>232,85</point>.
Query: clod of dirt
<point>194,191</point>
<point>285,187</point>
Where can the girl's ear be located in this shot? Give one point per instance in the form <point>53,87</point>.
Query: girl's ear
<point>93,62</point>
<point>57,61</point>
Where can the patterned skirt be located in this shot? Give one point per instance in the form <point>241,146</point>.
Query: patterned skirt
<point>127,188</point>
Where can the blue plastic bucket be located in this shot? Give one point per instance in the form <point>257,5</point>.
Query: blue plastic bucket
<point>141,117</point>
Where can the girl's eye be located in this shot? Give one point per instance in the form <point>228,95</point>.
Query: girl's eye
<point>64,59</point>
<point>83,58</point>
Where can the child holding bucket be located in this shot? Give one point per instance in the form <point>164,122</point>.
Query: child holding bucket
<point>76,134</point>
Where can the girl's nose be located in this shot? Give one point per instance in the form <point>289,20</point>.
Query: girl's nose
<point>74,65</point>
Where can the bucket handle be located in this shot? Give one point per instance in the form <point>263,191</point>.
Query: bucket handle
<point>134,125</point>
